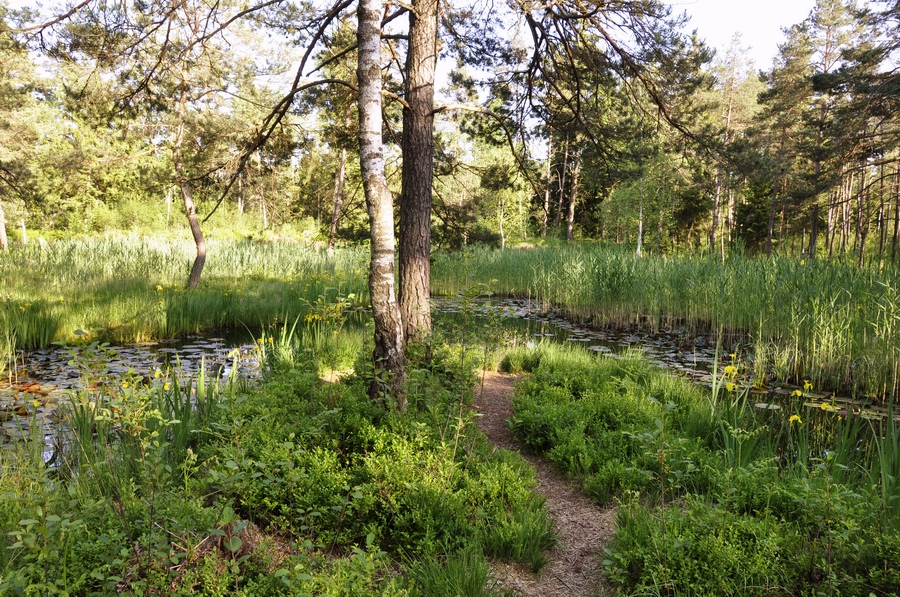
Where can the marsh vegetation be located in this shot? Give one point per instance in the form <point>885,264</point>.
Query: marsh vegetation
<point>296,485</point>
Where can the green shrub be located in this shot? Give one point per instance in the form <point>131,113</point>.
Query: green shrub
<point>700,550</point>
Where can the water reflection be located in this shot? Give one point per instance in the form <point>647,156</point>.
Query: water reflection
<point>694,356</point>
<point>38,380</point>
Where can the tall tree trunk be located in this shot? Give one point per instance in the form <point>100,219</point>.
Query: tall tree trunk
<point>240,196</point>
<point>640,233</point>
<point>863,215</point>
<point>882,213</point>
<point>895,237</point>
<point>389,354</point>
<point>829,227</point>
<point>562,186</point>
<point>501,216</point>
<point>814,230</point>
<point>418,170</point>
<point>189,209</point>
<point>659,223</point>
<point>573,194</point>
<point>263,210</point>
<point>772,208</point>
<point>717,198</point>
<point>194,222</point>
<point>523,230</point>
<point>4,242</point>
<point>546,215</point>
<point>895,186</point>
<point>338,201</point>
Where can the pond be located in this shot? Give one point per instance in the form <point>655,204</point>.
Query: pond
<point>693,356</point>
<point>39,380</point>
<point>32,387</point>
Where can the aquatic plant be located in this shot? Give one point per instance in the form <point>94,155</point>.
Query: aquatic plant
<point>829,322</point>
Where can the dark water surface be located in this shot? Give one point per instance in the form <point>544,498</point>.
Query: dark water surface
<point>39,380</point>
<point>31,388</point>
<point>696,357</point>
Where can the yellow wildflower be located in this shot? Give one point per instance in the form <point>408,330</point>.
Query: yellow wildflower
<point>124,385</point>
<point>159,288</point>
<point>796,393</point>
<point>36,403</point>
<point>730,370</point>
<point>166,386</point>
<point>157,374</point>
<point>729,386</point>
<point>795,419</point>
<point>807,385</point>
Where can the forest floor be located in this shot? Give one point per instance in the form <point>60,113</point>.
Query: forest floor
<point>583,528</point>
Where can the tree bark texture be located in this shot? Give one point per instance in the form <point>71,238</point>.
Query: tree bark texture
<point>194,222</point>
<point>189,209</point>
<point>418,170</point>
<point>389,354</point>
<point>562,185</point>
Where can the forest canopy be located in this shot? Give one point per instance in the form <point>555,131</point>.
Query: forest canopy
<point>612,123</point>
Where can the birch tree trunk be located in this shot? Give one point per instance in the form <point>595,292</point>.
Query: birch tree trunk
<point>418,170</point>
<point>573,193</point>
<point>389,354</point>
<point>546,215</point>
<point>562,186</point>
<point>640,234</point>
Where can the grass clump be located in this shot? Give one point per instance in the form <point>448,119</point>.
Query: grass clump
<point>715,495</point>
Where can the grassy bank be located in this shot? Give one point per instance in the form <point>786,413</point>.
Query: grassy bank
<point>296,487</point>
<point>131,289</point>
<point>715,495</point>
<point>829,322</point>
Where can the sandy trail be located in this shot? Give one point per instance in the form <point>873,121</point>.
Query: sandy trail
<point>584,528</point>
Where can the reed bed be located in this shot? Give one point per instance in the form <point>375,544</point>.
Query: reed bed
<point>829,322</point>
<point>131,289</point>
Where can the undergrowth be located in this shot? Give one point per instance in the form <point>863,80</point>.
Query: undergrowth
<point>295,487</point>
<point>715,495</point>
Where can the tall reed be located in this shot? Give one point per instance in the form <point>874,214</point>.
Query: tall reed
<point>826,321</point>
<point>132,289</point>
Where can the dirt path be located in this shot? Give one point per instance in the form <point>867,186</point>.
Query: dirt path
<point>584,528</point>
